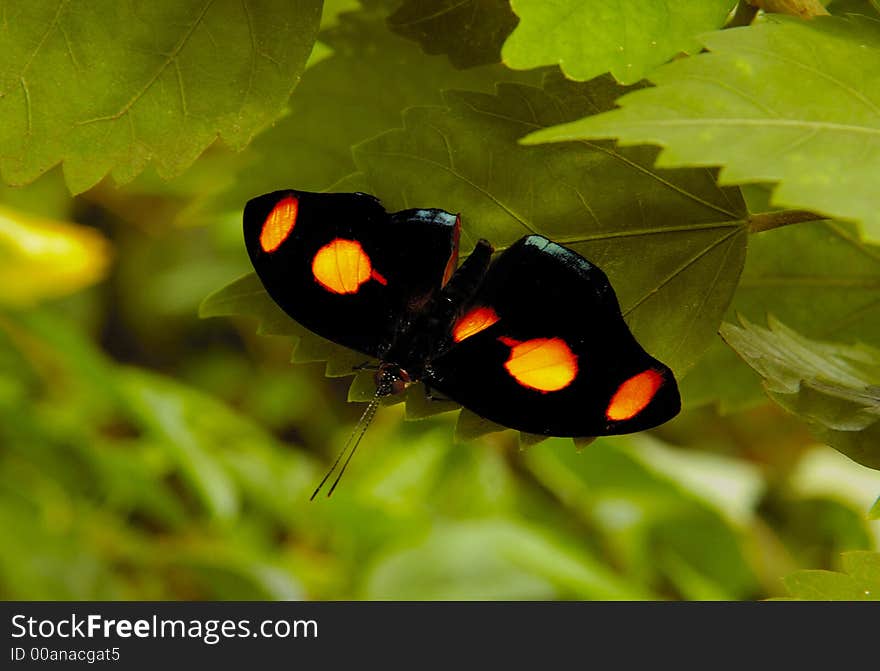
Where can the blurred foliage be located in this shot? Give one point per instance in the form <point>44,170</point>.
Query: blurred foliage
<point>58,258</point>
<point>147,454</point>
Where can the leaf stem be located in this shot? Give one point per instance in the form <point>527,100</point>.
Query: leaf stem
<point>743,15</point>
<point>766,221</point>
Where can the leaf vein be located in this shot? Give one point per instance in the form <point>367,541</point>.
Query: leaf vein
<point>798,64</point>
<point>519,219</point>
<point>675,273</point>
<point>175,52</point>
<point>665,182</point>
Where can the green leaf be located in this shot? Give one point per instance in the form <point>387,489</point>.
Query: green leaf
<point>863,566</point>
<point>874,513</point>
<point>790,102</point>
<point>720,377</point>
<point>356,93</point>
<point>819,278</point>
<point>860,582</point>
<point>834,388</point>
<point>247,297</point>
<point>470,425</point>
<point>627,38</point>
<point>109,87</point>
<point>470,32</point>
<point>671,242</point>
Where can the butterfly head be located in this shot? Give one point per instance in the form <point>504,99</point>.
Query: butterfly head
<point>391,379</point>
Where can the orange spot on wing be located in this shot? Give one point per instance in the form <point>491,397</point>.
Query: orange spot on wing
<point>634,395</point>
<point>342,266</point>
<point>543,364</point>
<point>279,223</point>
<point>472,322</point>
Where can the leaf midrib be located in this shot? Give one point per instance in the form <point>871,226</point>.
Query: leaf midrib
<point>609,152</point>
<point>430,17</point>
<point>744,122</point>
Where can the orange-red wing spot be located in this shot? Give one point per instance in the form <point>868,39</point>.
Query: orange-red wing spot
<point>634,395</point>
<point>279,223</point>
<point>472,322</point>
<point>342,266</point>
<point>544,364</point>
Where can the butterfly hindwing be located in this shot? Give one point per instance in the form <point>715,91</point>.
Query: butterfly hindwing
<point>343,267</point>
<point>542,347</point>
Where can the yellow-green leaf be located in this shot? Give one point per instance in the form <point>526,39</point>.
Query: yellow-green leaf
<point>791,102</point>
<point>860,582</point>
<point>589,37</point>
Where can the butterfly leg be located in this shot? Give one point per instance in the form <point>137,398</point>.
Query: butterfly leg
<point>366,365</point>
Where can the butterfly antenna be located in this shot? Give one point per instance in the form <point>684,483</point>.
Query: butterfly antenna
<point>364,422</point>
<point>354,439</point>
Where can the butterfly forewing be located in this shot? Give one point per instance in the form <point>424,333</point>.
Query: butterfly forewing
<point>343,267</point>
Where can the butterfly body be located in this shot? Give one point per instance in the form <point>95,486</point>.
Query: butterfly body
<point>533,340</point>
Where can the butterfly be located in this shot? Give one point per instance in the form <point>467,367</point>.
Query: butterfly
<point>532,339</point>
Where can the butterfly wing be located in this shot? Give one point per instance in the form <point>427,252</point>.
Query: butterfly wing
<point>542,347</point>
<point>343,267</point>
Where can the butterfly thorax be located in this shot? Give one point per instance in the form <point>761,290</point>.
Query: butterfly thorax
<point>426,332</point>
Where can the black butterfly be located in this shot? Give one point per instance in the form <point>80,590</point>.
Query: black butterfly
<point>533,340</point>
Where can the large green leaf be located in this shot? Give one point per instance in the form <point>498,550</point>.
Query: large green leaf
<point>627,38</point>
<point>859,582</point>
<point>356,93</point>
<point>470,32</point>
<point>834,388</point>
<point>109,87</point>
<point>790,102</point>
<point>818,278</point>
